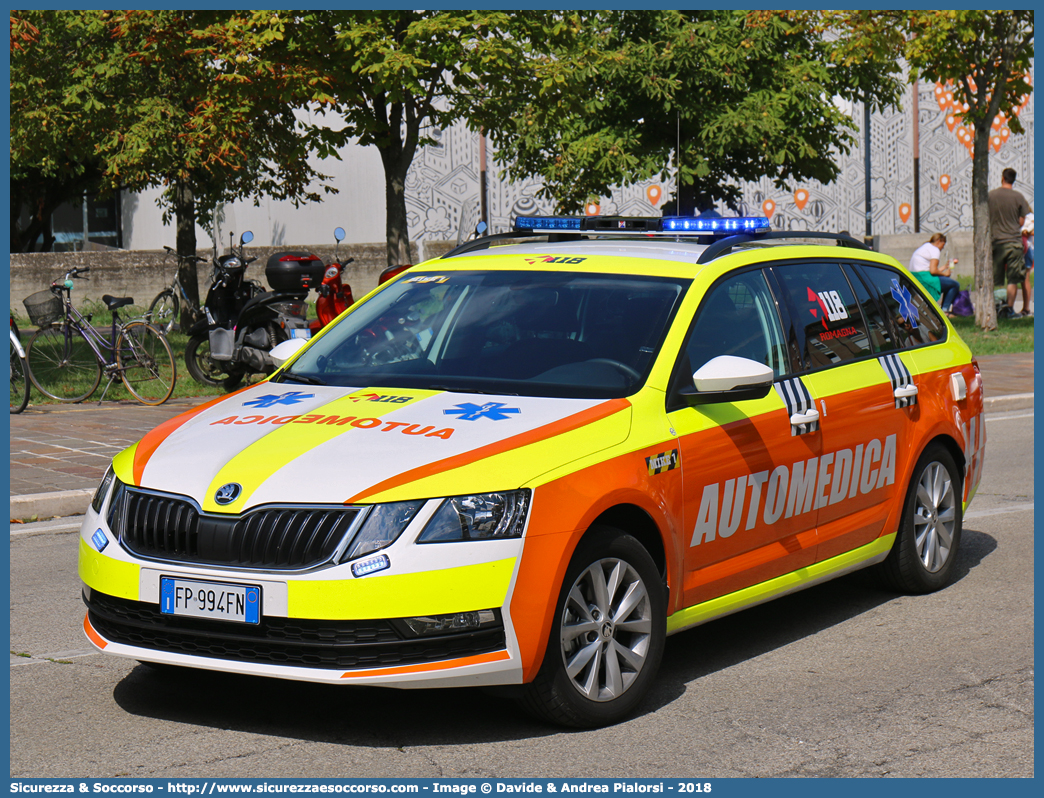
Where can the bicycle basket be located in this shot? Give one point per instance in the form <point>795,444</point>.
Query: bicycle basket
<point>43,308</point>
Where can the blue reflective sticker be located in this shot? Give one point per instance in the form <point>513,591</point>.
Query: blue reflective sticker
<point>99,540</point>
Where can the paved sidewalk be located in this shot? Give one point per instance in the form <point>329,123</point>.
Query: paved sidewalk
<point>59,453</point>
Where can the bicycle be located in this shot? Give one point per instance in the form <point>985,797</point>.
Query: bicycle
<point>65,355</point>
<point>19,372</point>
<point>165,309</point>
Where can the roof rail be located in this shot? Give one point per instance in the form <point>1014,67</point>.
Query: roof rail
<point>725,245</point>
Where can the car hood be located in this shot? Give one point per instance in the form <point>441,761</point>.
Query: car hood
<point>324,445</point>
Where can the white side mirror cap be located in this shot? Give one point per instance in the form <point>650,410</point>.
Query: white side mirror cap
<point>283,352</point>
<point>727,372</point>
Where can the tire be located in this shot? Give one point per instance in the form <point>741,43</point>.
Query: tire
<point>602,690</point>
<point>61,364</point>
<point>165,311</point>
<point>203,369</point>
<point>926,547</point>
<point>19,382</point>
<point>146,363</point>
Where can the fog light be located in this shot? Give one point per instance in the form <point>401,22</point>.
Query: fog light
<point>453,622</point>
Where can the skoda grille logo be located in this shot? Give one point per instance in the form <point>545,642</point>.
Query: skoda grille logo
<point>227,494</point>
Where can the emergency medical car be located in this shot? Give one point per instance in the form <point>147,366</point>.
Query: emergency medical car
<point>529,461</point>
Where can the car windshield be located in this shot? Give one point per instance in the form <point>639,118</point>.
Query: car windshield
<point>526,333</point>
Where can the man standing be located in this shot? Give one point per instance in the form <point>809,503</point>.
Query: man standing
<point>1008,209</point>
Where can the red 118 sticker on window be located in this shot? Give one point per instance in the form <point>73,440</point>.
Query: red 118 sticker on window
<point>830,303</point>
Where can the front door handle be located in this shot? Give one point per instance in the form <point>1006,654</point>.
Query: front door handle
<point>905,391</point>
<point>805,418</point>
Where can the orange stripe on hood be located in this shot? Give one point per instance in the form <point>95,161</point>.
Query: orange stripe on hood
<point>150,443</point>
<point>583,418</point>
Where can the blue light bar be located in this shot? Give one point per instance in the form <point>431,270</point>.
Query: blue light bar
<point>667,225</point>
<point>547,223</point>
<point>715,225</point>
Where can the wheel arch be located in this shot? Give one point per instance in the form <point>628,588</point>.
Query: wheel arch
<point>639,524</point>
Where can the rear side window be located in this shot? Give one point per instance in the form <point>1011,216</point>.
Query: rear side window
<point>881,337</point>
<point>914,319</point>
<point>827,319</point>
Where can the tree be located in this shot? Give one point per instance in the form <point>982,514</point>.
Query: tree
<point>387,78</point>
<point>603,98</point>
<point>154,99</point>
<point>986,56</point>
<point>51,161</point>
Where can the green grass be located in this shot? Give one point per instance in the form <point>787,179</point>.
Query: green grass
<point>1011,335</point>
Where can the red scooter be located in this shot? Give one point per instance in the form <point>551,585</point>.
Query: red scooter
<point>335,296</point>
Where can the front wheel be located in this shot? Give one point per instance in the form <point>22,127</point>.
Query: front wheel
<point>204,369</point>
<point>146,363</point>
<point>165,311</point>
<point>608,635</point>
<point>19,381</point>
<point>62,364</point>
<point>925,549</point>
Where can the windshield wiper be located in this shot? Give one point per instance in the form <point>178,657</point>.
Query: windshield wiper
<point>291,377</point>
<point>471,390</point>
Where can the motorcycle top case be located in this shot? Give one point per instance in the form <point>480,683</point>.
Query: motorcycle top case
<point>294,271</point>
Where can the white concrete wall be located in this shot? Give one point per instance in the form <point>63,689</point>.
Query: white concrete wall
<point>358,207</point>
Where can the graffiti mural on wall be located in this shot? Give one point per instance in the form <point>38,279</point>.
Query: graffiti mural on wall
<point>443,182</point>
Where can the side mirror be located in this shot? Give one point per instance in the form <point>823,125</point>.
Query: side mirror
<point>338,234</point>
<point>283,352</point>
<point>246,238</point>
<point>727,378</point>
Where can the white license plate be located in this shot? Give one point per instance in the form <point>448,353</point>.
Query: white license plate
<point>301,332</point>
<point>217,600</point>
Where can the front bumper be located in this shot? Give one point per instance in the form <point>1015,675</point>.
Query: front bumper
<point>323,625</point>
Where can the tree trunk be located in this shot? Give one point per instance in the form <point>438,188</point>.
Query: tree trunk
<point>985,310</point>
<point>397,227</point>
<point>185,214</point>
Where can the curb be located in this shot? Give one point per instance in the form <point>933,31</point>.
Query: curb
<point>1012,401</point>
<point>74,502</point>
<point>48,505</point>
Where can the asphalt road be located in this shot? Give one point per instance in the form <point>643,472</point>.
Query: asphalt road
<point>840,680</point>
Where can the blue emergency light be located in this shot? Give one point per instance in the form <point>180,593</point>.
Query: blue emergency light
<point>546,223</point>
<point>650,226</point>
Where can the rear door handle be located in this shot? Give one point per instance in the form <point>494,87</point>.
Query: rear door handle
<point>905,391</point>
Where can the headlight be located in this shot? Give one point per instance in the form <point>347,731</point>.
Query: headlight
<point>382,527</point>
<point>103,490</point>
<point>487,516</point>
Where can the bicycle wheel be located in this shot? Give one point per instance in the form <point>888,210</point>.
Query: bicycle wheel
<point>62,364</point>
<point>146,363</point>
<point>165,311</point>
<point>19,381</point>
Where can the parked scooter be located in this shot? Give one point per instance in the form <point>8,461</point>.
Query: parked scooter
<point>335,295</point>
<point>240,326</point>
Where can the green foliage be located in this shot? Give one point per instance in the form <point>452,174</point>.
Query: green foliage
<point>600,97</point>
<point>152,98</point>
<point>382,78</point>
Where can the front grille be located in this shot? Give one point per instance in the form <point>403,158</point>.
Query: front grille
<point>343,645</point>
<point>172,528</point>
